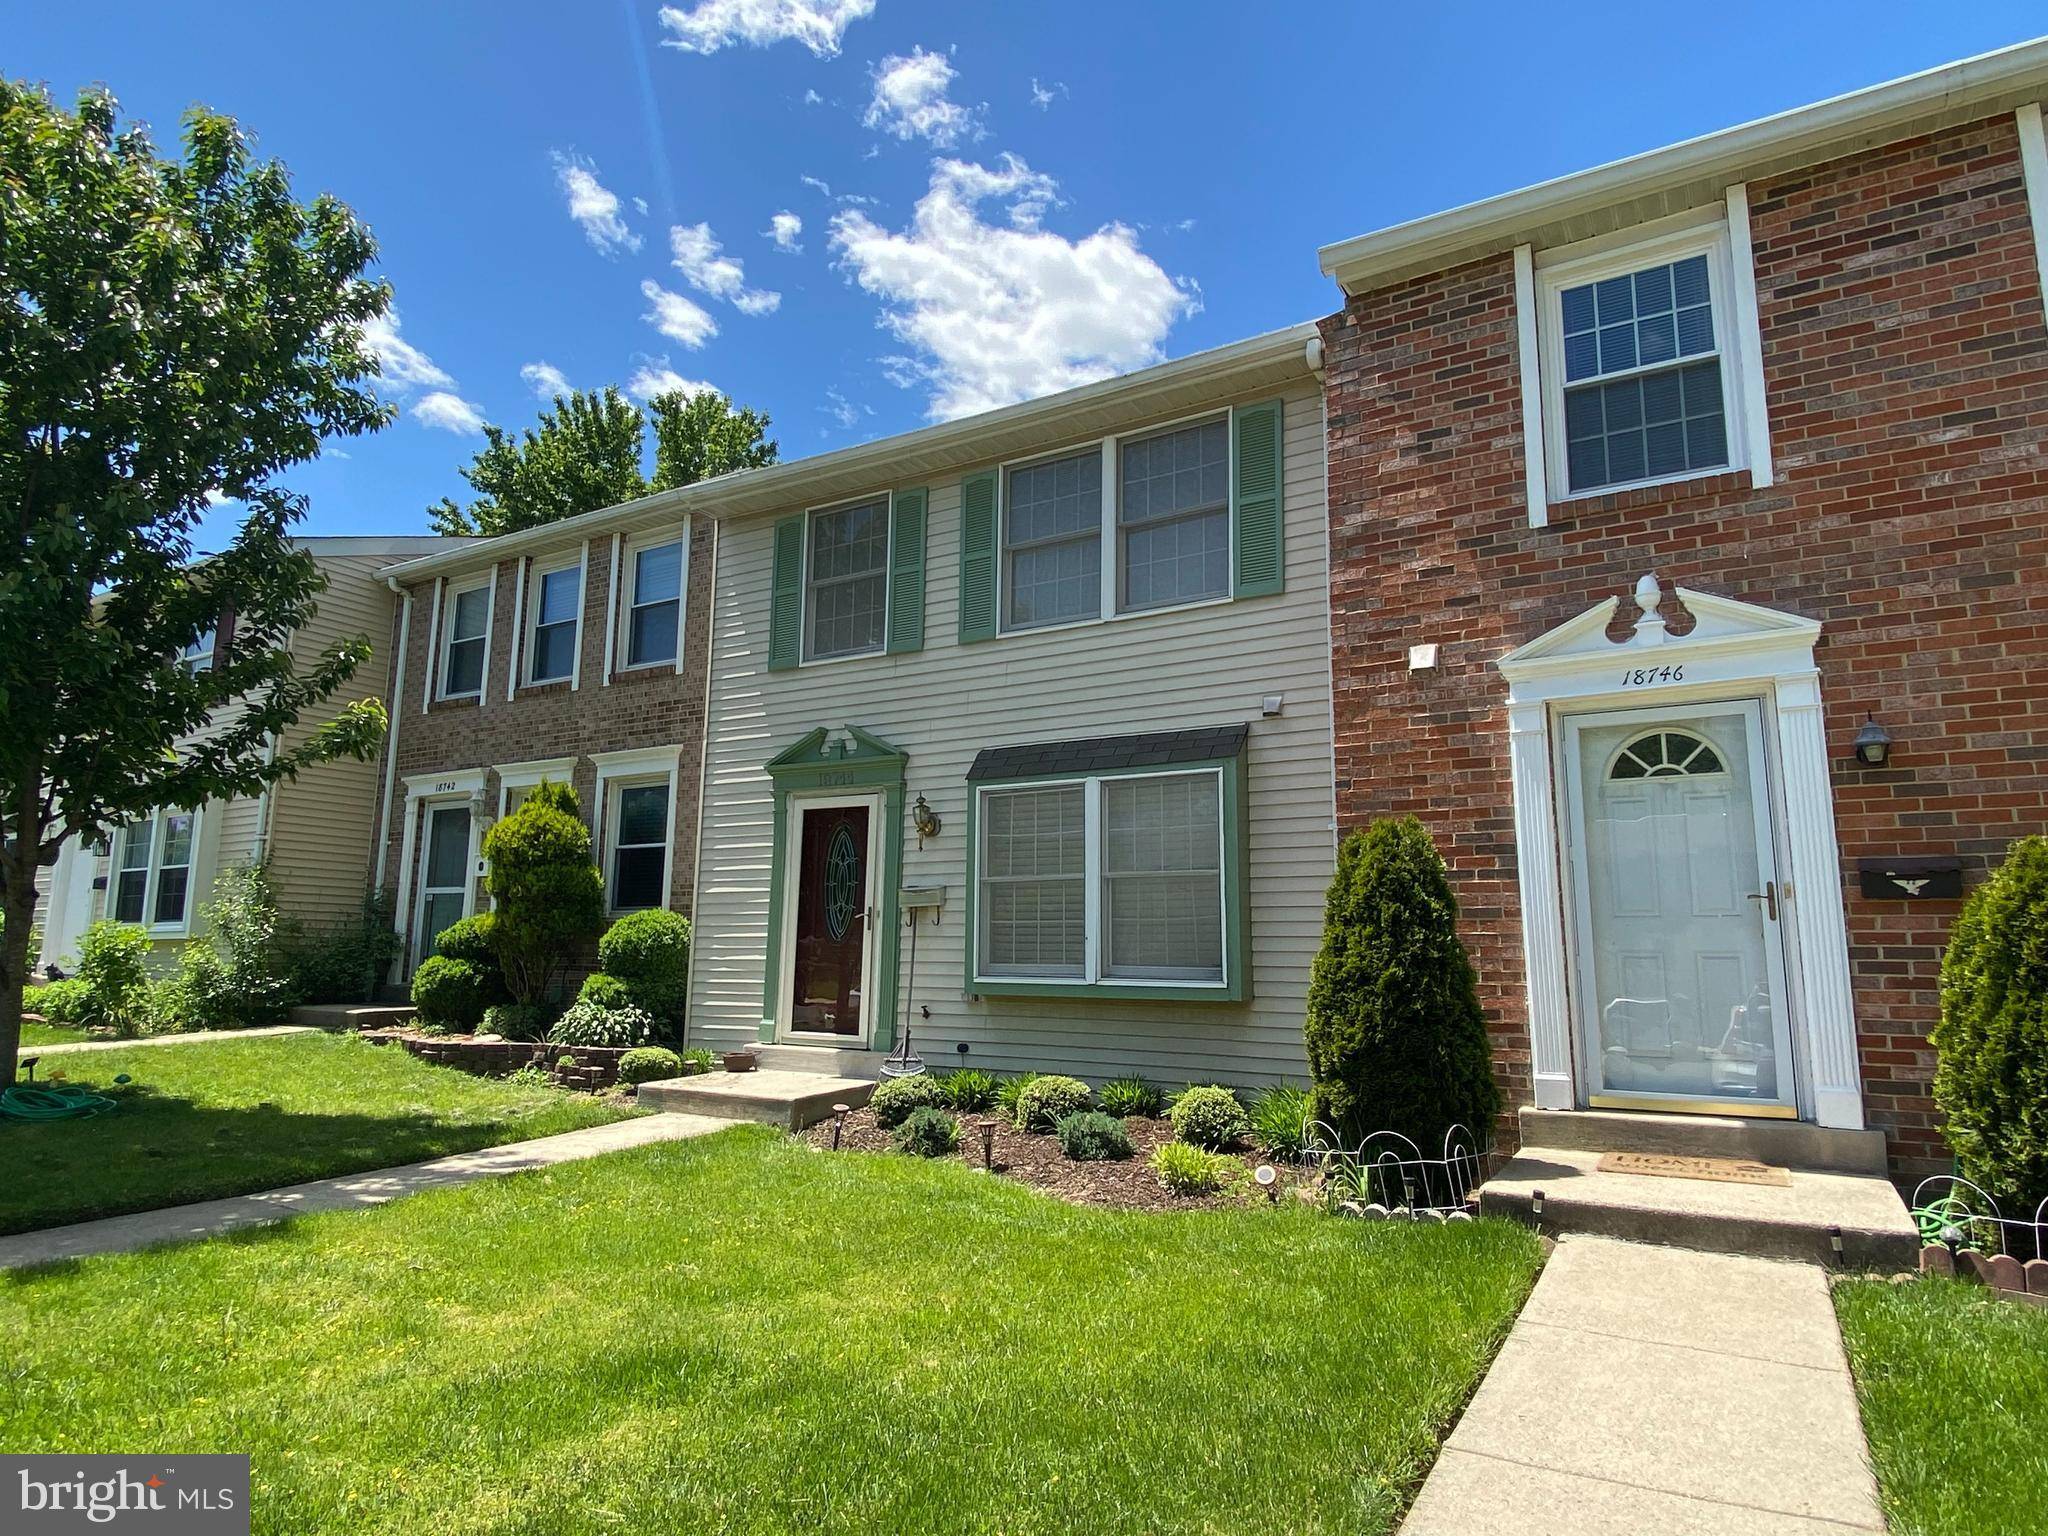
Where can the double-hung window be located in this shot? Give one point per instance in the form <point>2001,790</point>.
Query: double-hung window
<point>1173,516</point>
<point>153,870</point>
<point>846,580</point>
<point>1052,541</point>
<point>654,609</point>
<point>557,608</point>
<point>636,790</point>
<point>462,650</point>
<point>198,656</point>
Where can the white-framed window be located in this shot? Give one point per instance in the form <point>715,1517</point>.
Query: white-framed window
<point>637,792</point>
<point>198,656</point>
<point>557,623</point>
<point>1111,878</point>
<point>466,641</point>
<point>152,879</point>
<point>1173,516</point>
<point>846,580</point>
<point>654,603</point>
<point>518,780</point>
<point>1052,540</point>
<point>1644,377</point>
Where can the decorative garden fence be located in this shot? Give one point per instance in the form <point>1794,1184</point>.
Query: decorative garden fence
<point>1963,1232</point>
<point>1386,1176</point>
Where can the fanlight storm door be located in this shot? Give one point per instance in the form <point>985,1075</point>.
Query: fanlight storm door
<point>831,919</point>
<point>1680,961</point>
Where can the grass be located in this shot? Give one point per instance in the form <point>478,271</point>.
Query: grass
<point>205,1120</point>
<point>34,1033</point>
<point>1954,1389</point>
<point>737,1334</point>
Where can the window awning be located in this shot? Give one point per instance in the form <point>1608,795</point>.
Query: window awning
<point>1106,754</point>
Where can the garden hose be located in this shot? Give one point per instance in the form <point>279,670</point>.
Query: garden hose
<point>25,1101</point>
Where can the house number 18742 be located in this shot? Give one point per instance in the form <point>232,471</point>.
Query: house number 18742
<point>1636,677</point>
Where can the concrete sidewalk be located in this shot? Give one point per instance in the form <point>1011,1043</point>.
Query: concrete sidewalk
<point>1655,1389</point>
<point>196,1037</point>
<point>122,1234</point>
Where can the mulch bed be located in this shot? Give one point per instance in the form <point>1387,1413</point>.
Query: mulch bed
<point>1035,1159</point>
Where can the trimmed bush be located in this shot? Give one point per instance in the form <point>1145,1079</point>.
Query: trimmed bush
<point>928,1132</point>
<point>585,1023</point>
<point>1128,1096</point>
<point>1991,1076</point>
<point>59,1002</point>
<point>550,898</point>
<point>1280,1122</point>
<point>1188,1170</point>
<point>1093,1137</point>
<point>1209,1116</point>
<point>649,1064</point>
<point>1009,1091</point>
<point>113,963</point>
<point>449,994</point>
<point>1396,1040</point>
<point>519,1021</point>
<point>970,1089</point>
<point>475,939</point>
<point>606,991</point>
<point>895,1098</point>
<point>1045,1101</point>
<point>650,952</point>
<point>344,963</point>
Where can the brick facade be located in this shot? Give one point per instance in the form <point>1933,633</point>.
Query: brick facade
<point>651,707</point>
<point>1906,378</point>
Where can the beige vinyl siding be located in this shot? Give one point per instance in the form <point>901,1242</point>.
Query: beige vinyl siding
<point>1207,665</point>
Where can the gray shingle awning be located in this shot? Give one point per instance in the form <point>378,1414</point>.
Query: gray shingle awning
<point>1106,754</point>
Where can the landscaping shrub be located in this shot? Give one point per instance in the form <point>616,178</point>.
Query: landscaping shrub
<point>1009,1091</point>
<point>1045,1101</point>
<point>649,1064</point>
<point>1280,1122</point>
<point>928,1132</point>
<point>449,994</point>
<point>585,1023</point>
<point>1209,1116</point>
<point>113,964</point>
<point>698,1059</point>
<point>650,952</point>
<point>894,1098</point>
<point>1991,1074</point>
<point>346,963</point>
<point>1128,1096</point>
<point>59,1002</point>
<point>549,895</point>
<point>1396,1040</point>
<point>519,1021</point>
<point>1188,1170</point>
<point>1093,1137</point>
<point>475,939</point>
<point>234,976</point>
<point>970,1089</point>
<point>606,991</point>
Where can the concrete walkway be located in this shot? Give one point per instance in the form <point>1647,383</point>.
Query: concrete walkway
<point>1655,1389</point>
<point>122,1234</point>
<point>196,1037</point>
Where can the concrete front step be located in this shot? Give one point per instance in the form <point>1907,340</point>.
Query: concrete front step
<point>1769,1221</point>
<point>791,1100</point>
<point>351,1015</point>
<point>830,1061</point>
<point>1783,1143</point>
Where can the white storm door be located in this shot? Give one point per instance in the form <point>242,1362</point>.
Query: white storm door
<point>1674,875</point>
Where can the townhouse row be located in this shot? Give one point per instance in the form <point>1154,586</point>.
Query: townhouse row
<point>1668,537</point>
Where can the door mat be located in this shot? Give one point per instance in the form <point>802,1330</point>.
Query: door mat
<point>1718,1170</point>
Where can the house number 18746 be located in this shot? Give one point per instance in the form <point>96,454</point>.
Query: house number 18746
<point>1636,677</point>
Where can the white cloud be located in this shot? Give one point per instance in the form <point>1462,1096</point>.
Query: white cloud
<point>404,364</point>
<point>677,317</point>
<point>813,99</point>
<point>1001,312</point>
<point>910,100</point>
<point>593,205</point>
<point>449,411</point>
<point>843,410</point>
<point>822,188</point>
<point>697,255</point>
<point>1042,95</point>
<point>220,498</point>
<point>545,380</point>
<point>640,206</point>
<point>710,25</point>
<point>783,229</point>
<point>655,377</point>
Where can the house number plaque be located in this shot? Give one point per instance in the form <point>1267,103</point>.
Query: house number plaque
<point>1642,677</point>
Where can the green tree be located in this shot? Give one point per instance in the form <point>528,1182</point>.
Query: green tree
<point>1396,1039</point>
<point>548,893</point>
<point>1991,1072</point>
<point>171,330</point>
<point>584,454</point>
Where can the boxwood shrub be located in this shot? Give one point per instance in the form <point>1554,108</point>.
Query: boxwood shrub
<point>895,1098</point>
<point>1093,1137</point>
<point>1209,1116</point>
<point>650,952</point>
<point>448,993</point>
<point>1045,1101</point>
<point>649,1064</point>
<point>928,1132</point>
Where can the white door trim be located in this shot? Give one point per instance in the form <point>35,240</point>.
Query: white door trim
<point>793,847</point>
<point>1733,648</point>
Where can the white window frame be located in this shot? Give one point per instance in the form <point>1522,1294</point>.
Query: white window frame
<point>629,594</point>
<point>1719,232</point>
<point>197,657</point>
<point>530,645</point>
<point>624,770</point>
<point>1105,535</point>
<point>525,775</point>
<point>450,598</point>
<point>1095,833</point>
<point>1114,529</point>
<point>152,872</point>
<point>887,501</point>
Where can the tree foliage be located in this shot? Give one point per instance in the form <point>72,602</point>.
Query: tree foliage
<point>548,894</point>
<point>1396,1039</point>
<point>171,331</point>
<point>584,454</point>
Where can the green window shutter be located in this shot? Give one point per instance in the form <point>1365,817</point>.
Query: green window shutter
<point>1259,560</point>
<point>786,605</point>
<point>978,558</point>
<point>906,571</point>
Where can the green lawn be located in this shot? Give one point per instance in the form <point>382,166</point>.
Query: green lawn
<point>205,1120</point>
<point>1954,1388</point>
<point>736,1333</point>
<point>34,1033</point>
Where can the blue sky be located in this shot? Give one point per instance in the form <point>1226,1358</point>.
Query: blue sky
<point>994,201</point>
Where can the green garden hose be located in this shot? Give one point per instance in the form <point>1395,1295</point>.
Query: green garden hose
<point>25,1101</point>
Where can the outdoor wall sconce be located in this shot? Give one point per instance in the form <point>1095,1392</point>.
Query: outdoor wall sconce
<point>988,1144</point>
<point>1873,743</point>
<point>839,1114</point>
<point>925,819</point>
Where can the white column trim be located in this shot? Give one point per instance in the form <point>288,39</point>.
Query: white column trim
<point>1533,474</point>
<point>433,645</point>
<point>1537,838</point>
<point>1749,341</point>
<point>611,611</point>
<point>2034,172</point>
<point>517,650</point>
<point>582,603</point>
<point>401,915</point>
<point>683,597</point>
<point>483,687</point>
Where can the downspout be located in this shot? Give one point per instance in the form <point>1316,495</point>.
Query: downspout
<point>703,746</point>
<point>383,848</point>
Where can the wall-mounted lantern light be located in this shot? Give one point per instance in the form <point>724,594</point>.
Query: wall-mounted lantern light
<point>1873,743</point>
<point>925,819</point>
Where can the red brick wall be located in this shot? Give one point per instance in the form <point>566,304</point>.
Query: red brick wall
<point>645,708</point>
<point>1906,371</point>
